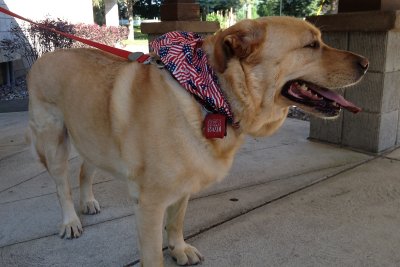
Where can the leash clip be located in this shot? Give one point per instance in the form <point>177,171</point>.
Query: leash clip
<point>139,57</point>
<point>146,59</point>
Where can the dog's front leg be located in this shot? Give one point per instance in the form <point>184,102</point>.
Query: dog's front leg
<point>149,216</point>
<point>184,253</point>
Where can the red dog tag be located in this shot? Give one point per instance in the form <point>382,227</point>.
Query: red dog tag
<point>214,126</point>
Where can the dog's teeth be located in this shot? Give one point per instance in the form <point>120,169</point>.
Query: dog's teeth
<point>335,104</point>
<point>303,87</point>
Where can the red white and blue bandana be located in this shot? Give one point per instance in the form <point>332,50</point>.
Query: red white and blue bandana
<point>184,58</point>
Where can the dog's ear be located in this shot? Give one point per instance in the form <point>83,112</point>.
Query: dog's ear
<point>240,41</point>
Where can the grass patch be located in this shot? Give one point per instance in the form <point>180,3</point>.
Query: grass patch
<point>140,38</point>
<point>135,42</point>
<point>139,35</point>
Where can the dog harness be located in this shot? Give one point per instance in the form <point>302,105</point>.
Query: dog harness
<point>183,57</point>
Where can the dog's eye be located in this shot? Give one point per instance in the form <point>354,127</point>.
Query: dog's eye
<point>313,45</point>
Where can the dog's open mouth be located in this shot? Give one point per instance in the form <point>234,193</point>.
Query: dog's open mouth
<point>321,99</point>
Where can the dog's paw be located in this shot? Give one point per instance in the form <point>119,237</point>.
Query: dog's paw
<point>186,255</point>
<point>90,207</point>
<point>72,229</point>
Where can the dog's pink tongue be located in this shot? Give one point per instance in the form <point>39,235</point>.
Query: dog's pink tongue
<point>338,99</point>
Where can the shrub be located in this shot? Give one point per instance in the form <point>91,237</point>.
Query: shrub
<point>219,18</point>
<point>31,41</point>
<point>44,40</point>
<point>108,35</point>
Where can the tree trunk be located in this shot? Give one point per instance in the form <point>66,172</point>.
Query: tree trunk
<point>249,10</point>
<point>131,35</point>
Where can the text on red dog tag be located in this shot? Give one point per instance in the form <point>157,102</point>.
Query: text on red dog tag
<point>214,126</point>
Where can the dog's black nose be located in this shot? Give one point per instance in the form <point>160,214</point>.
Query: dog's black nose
<point>363,63</point>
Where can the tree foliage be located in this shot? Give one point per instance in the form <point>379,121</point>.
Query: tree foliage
<point>219,5</point>
<point>142,8</point>
<point>209,6</point>
<point>296,8</point>
<point>267,8</point>
<point>99,15</point>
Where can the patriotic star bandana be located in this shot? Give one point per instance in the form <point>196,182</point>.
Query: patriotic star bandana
<point>184,58</point>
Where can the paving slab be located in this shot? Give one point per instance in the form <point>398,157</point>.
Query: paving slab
<point>21,167</point>
<point>395,154</point>
<point>351,219</point>
<point>265,170</point>
<point>215,210</point>
<point>40,216</point>
<point>112,243</point>
<point>42,184</point>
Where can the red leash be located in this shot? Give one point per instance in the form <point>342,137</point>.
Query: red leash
<point>113,50</point>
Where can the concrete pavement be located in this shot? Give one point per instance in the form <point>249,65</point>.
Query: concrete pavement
<point>286,202</point>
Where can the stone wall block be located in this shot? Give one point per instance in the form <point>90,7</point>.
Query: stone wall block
<point>327,130</point>
<point>393,51</point>
<point>398,133</point>
<point>388,130</point>
<point>391,91</point>
<point>370,131</point>
<point>367,94</point>
<point>371,45</point>
<point>337,40</point>
<point>360,131</point>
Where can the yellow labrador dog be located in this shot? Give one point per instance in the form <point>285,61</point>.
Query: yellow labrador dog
<point>136,121</point>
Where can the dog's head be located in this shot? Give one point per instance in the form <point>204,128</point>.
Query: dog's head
<point>268,64</point>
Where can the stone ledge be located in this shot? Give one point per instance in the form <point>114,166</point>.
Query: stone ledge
<point>10,57</point>
<point>189,26</point>
<point>358,21</point>
<point>14,105</point>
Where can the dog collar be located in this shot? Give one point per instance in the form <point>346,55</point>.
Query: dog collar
<point>183,57</point>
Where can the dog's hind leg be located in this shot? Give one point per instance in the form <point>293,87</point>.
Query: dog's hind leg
<point>184,253</point>
<point>50,141</point>
<point>88,203</point>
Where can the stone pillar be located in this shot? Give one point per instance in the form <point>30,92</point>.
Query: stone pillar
<point>111,10</point>
<point>179,15</point>
<point>376,35</point>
